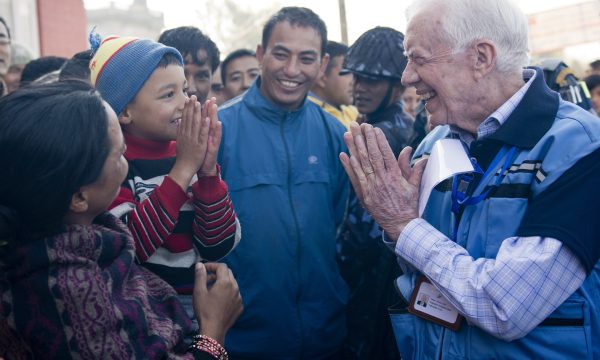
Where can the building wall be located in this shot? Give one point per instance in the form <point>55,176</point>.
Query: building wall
<point>137,21</point>
<point>62,27</point>
<point>553,30</point>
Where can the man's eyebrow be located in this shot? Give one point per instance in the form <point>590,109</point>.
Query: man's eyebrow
<point>280,48</point>
<point>309,52</point>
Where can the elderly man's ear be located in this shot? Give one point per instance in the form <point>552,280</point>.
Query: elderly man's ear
<point>485,52</point>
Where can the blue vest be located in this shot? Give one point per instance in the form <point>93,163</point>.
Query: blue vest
<point>544,153</point>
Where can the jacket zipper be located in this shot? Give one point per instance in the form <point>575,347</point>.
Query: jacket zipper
<point>296,223</point>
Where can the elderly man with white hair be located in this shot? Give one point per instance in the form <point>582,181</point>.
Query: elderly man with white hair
<point>513,246</point>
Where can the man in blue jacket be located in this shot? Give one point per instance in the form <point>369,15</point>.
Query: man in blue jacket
<point>512,247</point>
<point>279,155</point>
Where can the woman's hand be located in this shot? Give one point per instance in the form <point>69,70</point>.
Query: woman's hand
<point>217,300</point>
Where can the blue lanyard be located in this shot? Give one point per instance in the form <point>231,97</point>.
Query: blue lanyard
<point>460,184</point>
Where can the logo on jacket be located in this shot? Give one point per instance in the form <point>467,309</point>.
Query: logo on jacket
<point>313,160</point>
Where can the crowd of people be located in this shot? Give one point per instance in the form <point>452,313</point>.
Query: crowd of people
<point>157,202</point>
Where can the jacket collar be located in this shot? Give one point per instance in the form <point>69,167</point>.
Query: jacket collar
<point>532,118</point>
<point>387,113</point>
<point>264,108</point>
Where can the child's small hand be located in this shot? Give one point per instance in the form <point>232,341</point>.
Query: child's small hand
<point>192,143</point>
<point>209,166</point>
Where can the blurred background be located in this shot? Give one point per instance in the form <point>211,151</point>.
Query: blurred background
<point>566,29</point>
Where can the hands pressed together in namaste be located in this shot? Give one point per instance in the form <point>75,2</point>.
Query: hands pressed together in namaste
<point>388,188</point>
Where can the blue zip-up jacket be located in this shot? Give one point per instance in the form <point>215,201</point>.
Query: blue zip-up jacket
<point>551,137</point>
<point>289,191</point>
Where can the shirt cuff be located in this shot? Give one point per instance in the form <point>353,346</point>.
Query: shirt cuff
<point>416,242</point>
<point>171,196</point>
<point>209,189</point>
<point>388,241</point>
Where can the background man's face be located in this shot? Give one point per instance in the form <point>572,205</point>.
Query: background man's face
<point>216,87</point>
<point>338,88</point>
<point>198,75</point>
<point>240,74</point>
<point>369,93</point>
<point>410,101</point>
<point>290,64</point>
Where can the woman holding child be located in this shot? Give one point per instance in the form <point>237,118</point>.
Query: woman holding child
<point>69,285</point>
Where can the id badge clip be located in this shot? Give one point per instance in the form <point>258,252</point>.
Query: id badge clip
<point>429,303</point>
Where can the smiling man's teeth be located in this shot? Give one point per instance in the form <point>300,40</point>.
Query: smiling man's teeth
<point>428,95</point>
<point>289,83</point>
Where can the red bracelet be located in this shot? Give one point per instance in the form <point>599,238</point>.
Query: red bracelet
<point>209,345</point>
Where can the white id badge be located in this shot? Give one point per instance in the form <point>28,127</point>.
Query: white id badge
<point>429,303</point>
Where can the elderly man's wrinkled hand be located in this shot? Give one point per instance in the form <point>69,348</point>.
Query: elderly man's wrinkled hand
<point>388,189</point>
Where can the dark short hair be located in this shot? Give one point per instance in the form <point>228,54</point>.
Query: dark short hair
<point>6,26</point>
<point>595,64</point>
<point>53,140</point>
<point>239,53</point>
<point>296,16</point>
<point>592,81</point>
<point>77,67</point>
<point>189,40</point>
<point>334,49</point>
<point>37,68</point>
<point>168,59</point>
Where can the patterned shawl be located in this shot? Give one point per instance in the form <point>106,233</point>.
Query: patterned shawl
<point>80,295</point>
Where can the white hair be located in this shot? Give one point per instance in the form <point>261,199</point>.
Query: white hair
<point>499,21</point>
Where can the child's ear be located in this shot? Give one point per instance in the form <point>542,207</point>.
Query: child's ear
<point>79,202</point>
<point>125,117</point>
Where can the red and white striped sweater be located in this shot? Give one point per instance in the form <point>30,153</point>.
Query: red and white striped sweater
<point>173,229</point>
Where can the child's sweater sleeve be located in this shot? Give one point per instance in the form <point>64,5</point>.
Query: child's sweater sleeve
<point>152,220</point>
<point>216,230</point>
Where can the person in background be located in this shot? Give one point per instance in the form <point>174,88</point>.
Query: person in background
<point>200,55</point>
<point>238,72</point>
<point>593,84</point>
<point>216,87</point>
<point>20,56</point>
<point>173,199</point>
<point>5,52</point>
<point>595,67</point>
<point>376,61</point>
<point>70,287</point>
<point>561,78</point>
<point>279,156</point>
<point>36,69</point>
<point>77,67</point>
<point>333,91</point>
<point>509,251</point>
<point>411,101</point>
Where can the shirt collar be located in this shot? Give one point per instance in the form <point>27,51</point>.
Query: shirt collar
<point>532,107</point>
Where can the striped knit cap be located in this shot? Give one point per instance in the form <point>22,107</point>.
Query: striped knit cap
<point>121,66</point>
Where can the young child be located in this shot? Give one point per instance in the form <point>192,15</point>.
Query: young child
<point>171,143</point>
